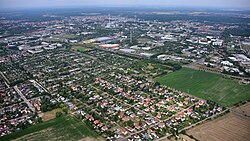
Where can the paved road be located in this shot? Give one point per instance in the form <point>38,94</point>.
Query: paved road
<point>6,80</point>
<point>25,99</point>
<point>34,81</point>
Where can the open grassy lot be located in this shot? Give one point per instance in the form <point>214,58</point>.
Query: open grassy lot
<point>79,48</point>
<point>50,114</point>
<point>63,128</point>
<point>208,86</point>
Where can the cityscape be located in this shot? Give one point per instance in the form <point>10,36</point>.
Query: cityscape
<point>125,72</point>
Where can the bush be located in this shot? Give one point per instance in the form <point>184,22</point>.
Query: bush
<point>191,136</point>
<point>65,110</point>
<point>58,114</point>
<point>183,132</point>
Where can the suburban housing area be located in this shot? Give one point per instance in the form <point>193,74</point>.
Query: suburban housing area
<point>123,75</point>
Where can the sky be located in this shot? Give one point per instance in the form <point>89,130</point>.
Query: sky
<point>163,3</point>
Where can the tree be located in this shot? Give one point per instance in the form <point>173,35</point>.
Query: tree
<point>157,84</point>
<point>61,105</point>
<point>44,108</point>
<point>58,114</point>
<point>39,120</point>
<point>65,110</point>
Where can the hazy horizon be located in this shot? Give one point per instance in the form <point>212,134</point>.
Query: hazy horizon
<point>239,4</point>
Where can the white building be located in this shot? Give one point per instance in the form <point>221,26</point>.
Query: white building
<point>127,50</point>
<point>218,43</point>
<point>148,55</point>
<point>226,63</point>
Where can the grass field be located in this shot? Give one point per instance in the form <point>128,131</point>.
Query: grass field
<point>50,114</point>
<point>207,86</point>
<point>63,129</point>
<point>79,48</point>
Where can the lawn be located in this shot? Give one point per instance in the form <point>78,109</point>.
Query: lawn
<point>207,86</point>
<point>63,128</point>
<point>79,48</point>
<point>82,49</point>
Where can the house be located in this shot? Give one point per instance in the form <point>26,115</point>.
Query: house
<point>137,125</point>
<point>136,136</point>
<point>162,125</point>
<point>146,109</point>
<point>132,115</point>
<point>96,121</point>
<point>120,115</point>
<point>182,115</point>
<point>125,118</point>
<point>104,128</point>
<point>171,109</point>
<point>177,117</point>
<point>100,125</point>
<point>124,132</point>
<point>158,115</point>
<point>219,109</point>
<point>201,102</point>
<point>173,120</point>
<point>130,129</point>
<point>130,139</point>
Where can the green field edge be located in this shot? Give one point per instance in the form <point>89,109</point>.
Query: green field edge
<point>45,125</point>
<point>190,86</point>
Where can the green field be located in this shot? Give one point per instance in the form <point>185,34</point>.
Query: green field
<point>79,48</point>
<point>63,128</point>
<point>82,49</point>
<point>207,86</point>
